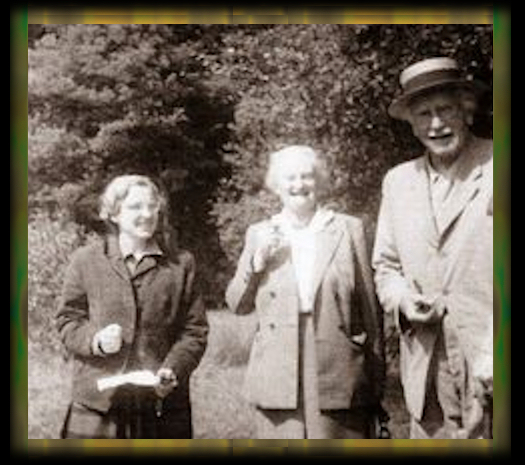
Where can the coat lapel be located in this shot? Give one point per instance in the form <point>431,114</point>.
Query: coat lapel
<point>419,191</point>
<point>466,188</point>
<point>463,193</point>
<point>327,241</point>
<point>115,258</point>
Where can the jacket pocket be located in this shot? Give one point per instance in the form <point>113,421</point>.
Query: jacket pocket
<point>272,371</point>
<point>83,422</point>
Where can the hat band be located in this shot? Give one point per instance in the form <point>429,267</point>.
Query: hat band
<point>431,79</point>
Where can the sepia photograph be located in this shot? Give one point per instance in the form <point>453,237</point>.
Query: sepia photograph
<point>260,231</point>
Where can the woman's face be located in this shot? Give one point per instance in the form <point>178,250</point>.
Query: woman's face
<point>138,214</point>
<point>297,184</point>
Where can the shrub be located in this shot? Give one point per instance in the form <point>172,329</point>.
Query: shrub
<point>51,240</point>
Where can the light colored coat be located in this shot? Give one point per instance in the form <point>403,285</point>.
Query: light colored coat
<point>454,263</point>
<point>348,336</point>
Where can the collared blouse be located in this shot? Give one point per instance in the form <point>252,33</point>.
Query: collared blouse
<point>303,246</point>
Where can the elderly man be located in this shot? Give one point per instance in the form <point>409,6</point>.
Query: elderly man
<point>433,255</point>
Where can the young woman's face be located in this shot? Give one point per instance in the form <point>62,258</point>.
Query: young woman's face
<point>138,214</point>
<point>297,184</point>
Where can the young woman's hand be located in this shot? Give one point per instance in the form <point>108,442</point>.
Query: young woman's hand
<point>108,340</point>
<point>168,382</point>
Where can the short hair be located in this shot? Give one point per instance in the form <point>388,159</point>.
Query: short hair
<point>117,190</point>
<point>276,158</point>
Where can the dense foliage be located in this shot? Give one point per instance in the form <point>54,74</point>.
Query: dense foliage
<point>199,107</point>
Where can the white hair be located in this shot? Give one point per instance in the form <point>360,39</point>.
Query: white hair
<point>292,151</point>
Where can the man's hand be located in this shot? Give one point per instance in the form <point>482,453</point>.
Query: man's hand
<point>482,372</point>
<point>418,308</point>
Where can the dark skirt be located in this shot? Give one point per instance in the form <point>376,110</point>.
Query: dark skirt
<point>135,414</point>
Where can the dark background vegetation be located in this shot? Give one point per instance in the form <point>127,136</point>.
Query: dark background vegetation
<point>199,107</point>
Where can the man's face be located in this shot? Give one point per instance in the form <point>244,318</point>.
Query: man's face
<point>440,122</point>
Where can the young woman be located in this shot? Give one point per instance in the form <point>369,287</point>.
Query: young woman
<point>316,366</point>
<point>129,305</point>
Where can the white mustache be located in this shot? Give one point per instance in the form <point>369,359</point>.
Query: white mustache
<point>443,133</point>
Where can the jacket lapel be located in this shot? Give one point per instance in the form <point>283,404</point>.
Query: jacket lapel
<point>419,191</point>
<point>115,258</point>
<point>327,241</point>
<point>466,188</point>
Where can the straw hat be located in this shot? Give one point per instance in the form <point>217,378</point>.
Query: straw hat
<point>432,73</point>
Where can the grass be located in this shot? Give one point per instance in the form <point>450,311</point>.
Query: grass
<point>48,392</point>
<point>219,410</point>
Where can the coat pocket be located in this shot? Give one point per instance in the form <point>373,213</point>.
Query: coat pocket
<point>271,375</point>
<point>83,422</point>
<point>340,370</point>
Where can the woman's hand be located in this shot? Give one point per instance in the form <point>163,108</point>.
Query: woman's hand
<point>108,340</point>
<point>168,382</point>
<point>270,242</point>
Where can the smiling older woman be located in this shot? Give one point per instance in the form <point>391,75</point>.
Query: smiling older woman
<point>316,365</point>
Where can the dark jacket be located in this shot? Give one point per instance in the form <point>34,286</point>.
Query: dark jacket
<point>163,320</point>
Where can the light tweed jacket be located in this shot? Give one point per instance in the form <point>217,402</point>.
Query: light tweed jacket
<point>348,335</point>
<point>454,263</point>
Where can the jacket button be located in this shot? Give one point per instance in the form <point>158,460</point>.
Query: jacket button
<point>273,295</point>
<point>272,325</point>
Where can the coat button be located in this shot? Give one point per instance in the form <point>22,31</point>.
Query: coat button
<point>273,295</point>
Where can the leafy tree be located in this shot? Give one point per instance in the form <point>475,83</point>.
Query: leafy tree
<point>109,99</point>
<point>199,107</point>
<point>330,86</point>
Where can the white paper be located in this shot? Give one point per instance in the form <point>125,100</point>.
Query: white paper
<point>138,378</point>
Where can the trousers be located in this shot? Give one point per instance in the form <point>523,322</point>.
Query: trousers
<point>452,410</point>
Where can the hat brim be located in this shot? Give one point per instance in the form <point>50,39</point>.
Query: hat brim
<point>399,108</point>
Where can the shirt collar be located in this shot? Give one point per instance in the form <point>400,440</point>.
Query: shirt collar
<point>462,165</point>
<point>319,221</point>
<point>151,249</point>
<point>449,173</point>
<point>115,249</point>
